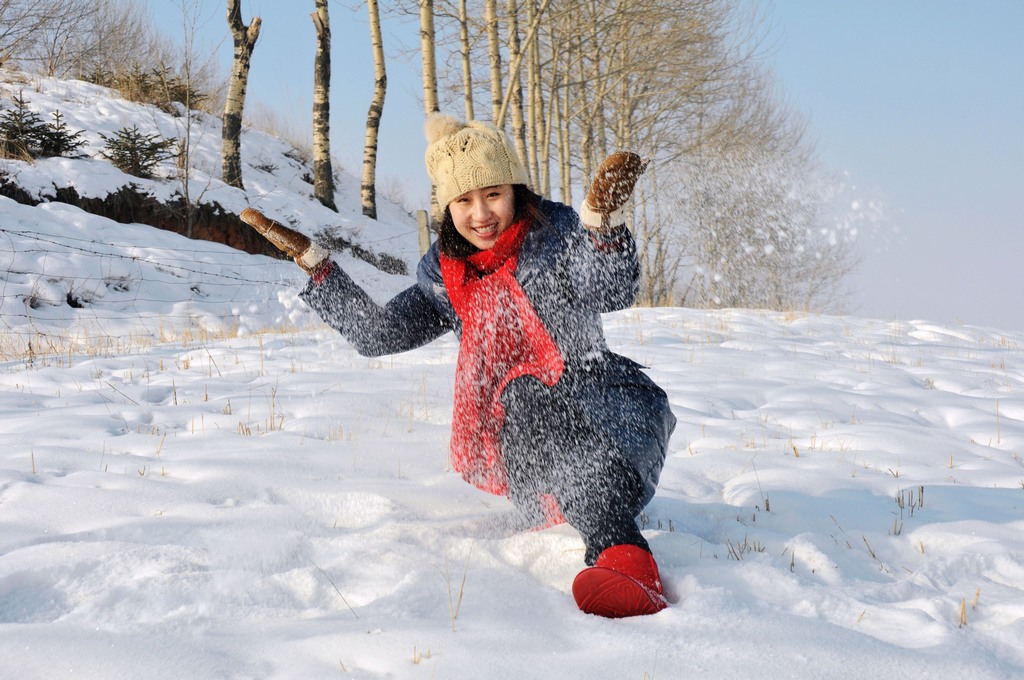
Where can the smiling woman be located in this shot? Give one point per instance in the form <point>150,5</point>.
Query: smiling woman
<point>544,412</point>
<point>482,215</point>
<point>473,221</point>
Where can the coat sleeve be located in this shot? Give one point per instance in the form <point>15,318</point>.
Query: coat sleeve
<point>407,321</point>
<point>605,266</point>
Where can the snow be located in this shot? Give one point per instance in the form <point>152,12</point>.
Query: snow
<point>199,480</point>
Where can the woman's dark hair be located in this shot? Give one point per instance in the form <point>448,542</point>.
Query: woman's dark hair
<point>454,244</point>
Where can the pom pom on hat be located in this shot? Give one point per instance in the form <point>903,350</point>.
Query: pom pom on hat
<point>440,125</point>
<point>461,157</point>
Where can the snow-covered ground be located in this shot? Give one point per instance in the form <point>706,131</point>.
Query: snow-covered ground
<point>197,480</point>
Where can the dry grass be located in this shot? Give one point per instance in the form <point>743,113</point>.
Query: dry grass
<point>61,347</point>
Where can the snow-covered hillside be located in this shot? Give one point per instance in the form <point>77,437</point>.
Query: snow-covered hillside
<point>113,270</point>
<point>198,480</point>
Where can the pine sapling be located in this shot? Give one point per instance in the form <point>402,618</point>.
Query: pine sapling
<point>135,153</point>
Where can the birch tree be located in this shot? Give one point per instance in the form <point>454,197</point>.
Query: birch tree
<point>323,172</point>
<point>674,80</point>
<point>380,85</point>
<point>244,38</point>
<point>537,130</point>
<point>513,100</point>
<point>494,57</point>
<point>467,63</point>
<point>427,49</point>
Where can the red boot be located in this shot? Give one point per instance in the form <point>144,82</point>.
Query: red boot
<point>623,582</point>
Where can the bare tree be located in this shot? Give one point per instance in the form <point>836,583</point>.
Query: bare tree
<point>755,236</point>
<point>494,57</point>
<point>190,67</point>
<point>380,80</point>
<point>513,100</point>
<point>663,241</point>
<point>750,207</point>
<point>537,129</point>
<point>20,20</point>
<point>121,35</point>
<point>323,172</point>
<point>66,37</point>
<point>244,38</point>
<point>427,45</point>
<point>675,80</point>
<point>72,37</point>
<point>467,68</point>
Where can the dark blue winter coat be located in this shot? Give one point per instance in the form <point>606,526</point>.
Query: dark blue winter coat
<point>571,279</point>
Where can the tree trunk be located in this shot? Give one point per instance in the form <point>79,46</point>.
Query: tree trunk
<point>467,67</point>
<point>599,82</point>
<point>323,173</point>
<point>380,86</point>
<point>515,55</point>
<point>535,124</point>
<point>516,61</point>
<point>494,52</point>
<point>430,103</point>
<point>231,128</point>
<point>563,126</point>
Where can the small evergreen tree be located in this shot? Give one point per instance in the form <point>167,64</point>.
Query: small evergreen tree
<point>136,153</point>
<point>24,134</point>
<point>58,140</point>
<point>172,87</point>
<point>21,131</point>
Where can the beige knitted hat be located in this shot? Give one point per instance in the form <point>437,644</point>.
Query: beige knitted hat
<point>465,156</point>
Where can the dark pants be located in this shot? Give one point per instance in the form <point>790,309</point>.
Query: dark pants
<point>550,446</point>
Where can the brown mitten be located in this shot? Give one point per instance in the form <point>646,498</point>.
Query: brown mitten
<point>610,190</point>
<point>297,246</point>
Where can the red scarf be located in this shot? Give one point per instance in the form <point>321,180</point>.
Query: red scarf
<point>502,339</point>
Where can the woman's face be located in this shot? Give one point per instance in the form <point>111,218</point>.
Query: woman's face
<point>481,215</point>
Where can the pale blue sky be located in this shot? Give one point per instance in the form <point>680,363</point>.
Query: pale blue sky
<point>920,101</point>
